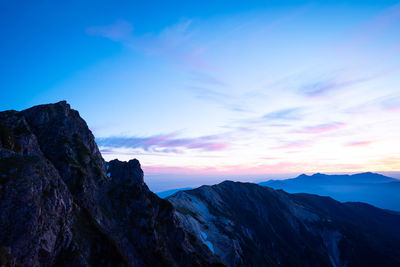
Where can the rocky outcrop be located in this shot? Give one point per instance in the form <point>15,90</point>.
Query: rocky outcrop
<point>61,204</point>
<point>250,225</point>
<point>145,225</point>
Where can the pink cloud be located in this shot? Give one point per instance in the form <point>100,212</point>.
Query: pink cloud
<point>162,143</point>
<point>359,143</point>
<point>157,140</point>
<point>295,144</point>
<point>393,109</point>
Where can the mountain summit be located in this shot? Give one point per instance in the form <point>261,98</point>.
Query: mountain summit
<point>61,204</point>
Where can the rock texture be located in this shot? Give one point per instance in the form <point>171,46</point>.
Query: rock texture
<point>61,204</point>
<point>250,225</point>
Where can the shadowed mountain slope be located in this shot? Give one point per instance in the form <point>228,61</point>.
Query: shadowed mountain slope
<point>250,225</point>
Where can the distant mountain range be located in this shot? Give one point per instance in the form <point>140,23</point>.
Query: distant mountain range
<point>251,225</point>
<point>372,188</point>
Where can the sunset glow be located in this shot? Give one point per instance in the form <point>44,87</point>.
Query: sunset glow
<point>253,89</point>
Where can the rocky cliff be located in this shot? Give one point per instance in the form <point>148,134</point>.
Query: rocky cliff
<point>250,225</point>
<point>61,204</point>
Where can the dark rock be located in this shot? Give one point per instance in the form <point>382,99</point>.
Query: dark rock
<point>126,173</point>
<point>60,206</point>
<point>143,224</point>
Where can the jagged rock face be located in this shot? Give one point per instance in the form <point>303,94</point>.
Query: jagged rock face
<point>143,223</point>
<point>61,204</point>
<point>66,141</point>
<point>35,204</point>
<point>249,225</point>
<point>35,208</point>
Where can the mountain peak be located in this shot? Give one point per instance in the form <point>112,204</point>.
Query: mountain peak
<point>63,104</point>
<point>303,175</point>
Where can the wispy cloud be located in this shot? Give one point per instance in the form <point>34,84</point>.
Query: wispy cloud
<point>323,87</point>
<point>322,128</point>
<point>294,144</point>
<point>359,143</point>
<point>278,118</point>
<point>206,79</point>
<point>284,114</point>
<point>373,27</point>
<point>208,94</point>
<point>172,41</point>
<point>391,103</point>
<point>248,80</point>
<point>119,31</point>
<point>209,87</point>
<point>162,143</point>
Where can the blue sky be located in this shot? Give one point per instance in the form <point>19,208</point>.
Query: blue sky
<point>215,88</point>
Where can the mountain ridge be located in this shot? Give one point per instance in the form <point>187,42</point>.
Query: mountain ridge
<point>251,225</point>
<point>362,175</point>
<point>373,188</point>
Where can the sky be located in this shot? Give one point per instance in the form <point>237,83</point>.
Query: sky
<point>201,91</point>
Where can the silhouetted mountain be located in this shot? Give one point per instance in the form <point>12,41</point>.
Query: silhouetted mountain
<point>61,204</point>
<point>372,188</point>
<point>251,225</point>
